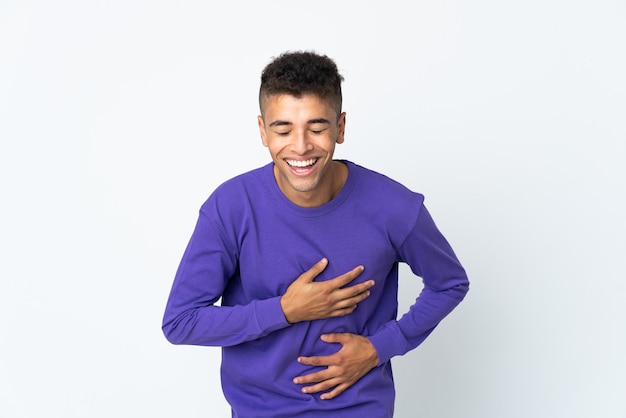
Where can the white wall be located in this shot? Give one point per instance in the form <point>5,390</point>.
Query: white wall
<point>118,118</point>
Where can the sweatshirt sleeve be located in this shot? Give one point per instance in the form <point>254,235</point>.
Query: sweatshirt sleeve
<point>191,314</point>
<point>430,256</point>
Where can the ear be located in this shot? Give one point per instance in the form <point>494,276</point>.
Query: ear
<point>262,130</point>
<point>341,126</point>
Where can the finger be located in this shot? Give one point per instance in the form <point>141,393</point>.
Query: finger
<point>343,311</point>
<point>344,303</point>
<point>322,386</point>
<point>346,278</point>
<point>341,306</point>
<point>356,293</point>
<point>313,272</point>
<point>317,360</point>
<point>316,377</point>
<point>335,392</point>
<point>336,337</point>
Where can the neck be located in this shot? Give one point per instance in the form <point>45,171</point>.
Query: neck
<point>324,192</point>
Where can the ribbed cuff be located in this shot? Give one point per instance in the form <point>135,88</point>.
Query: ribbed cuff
<point>269,315</point>
<point>387,343</point>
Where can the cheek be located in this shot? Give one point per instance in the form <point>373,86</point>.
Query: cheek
<point>276,144</point>
<point>330,142</point>
<point>273,149</point>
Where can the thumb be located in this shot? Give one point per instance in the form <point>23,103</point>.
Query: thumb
<point>313,272</point>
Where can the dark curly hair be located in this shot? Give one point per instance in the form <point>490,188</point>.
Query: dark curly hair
<point>299,73</point>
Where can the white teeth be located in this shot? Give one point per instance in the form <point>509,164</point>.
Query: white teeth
<point>297,163</point>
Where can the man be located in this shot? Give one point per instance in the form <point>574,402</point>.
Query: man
<point>304,254</point>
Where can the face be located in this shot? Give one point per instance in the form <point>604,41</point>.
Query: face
<point>301,134</point>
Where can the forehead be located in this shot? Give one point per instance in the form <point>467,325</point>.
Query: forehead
<point>289,106</point>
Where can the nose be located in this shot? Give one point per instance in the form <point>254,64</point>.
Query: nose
<point>301,144</point>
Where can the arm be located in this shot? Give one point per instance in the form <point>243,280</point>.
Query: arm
<point>445,284</point>
<point>191,316</point>
<point>430,256</point>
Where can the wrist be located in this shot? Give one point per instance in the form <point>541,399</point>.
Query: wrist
<point>287,312</point>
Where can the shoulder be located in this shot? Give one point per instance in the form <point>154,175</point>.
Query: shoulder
<point>375,185</point>
<point>249,179</point>
<point>231,196</point>
<point>386,202</point>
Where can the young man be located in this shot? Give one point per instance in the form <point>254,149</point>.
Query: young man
<point>304,254</point>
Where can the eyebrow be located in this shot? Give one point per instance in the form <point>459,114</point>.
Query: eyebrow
<point>310,122</point>
<point>280,123</point>
<point>319,120</point>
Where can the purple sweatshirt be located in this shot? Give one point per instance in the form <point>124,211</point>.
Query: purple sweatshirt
<point>251,242</point>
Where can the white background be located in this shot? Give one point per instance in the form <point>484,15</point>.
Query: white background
<point>118,118</point>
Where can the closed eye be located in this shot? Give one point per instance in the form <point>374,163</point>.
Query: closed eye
<point>318,129</point>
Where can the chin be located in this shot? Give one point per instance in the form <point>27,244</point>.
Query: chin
<point>303,187</point>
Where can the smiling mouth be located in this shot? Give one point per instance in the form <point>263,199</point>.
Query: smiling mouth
<point>301,163</point>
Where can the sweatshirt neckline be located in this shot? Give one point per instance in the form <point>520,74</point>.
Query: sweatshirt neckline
<point>328,207</point>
